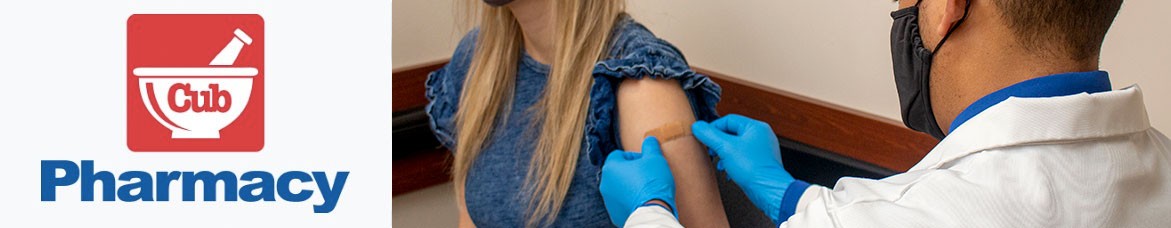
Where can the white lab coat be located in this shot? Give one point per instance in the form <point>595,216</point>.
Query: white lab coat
<point>1084,160</point>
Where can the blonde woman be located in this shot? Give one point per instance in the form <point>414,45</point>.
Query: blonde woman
<point>536,97</point>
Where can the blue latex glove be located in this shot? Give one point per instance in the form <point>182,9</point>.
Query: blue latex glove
<point>749,152</point>
<point>631,179</point>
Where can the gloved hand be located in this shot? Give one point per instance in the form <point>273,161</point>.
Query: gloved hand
<point>631,179</point>
<point>749,152</point>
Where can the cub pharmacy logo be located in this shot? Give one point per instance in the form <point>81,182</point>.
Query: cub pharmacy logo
<point>195,82</point>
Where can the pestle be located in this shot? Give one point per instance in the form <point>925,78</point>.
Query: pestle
<point>227,56</point>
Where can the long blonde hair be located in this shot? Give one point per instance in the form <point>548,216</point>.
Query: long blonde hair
<point>581,34</point>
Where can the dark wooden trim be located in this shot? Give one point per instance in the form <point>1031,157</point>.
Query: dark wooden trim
<point>420,171</point>
<point>408,85</point>
<point>423,169</point>
<point>844,131</point>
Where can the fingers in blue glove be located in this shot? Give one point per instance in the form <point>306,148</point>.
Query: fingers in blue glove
<point>729,131</point>
<point>749,153</point>
<point>650,146</point>
<point>715,139</point>
<point>708,135</point>
<point>735,124</point>
<point>630,179</point>
<point>618,156</point>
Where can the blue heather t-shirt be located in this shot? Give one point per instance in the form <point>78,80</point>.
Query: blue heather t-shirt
<point>495,193</point>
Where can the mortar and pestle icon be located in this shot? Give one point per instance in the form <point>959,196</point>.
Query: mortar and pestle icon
<point>196,102</point>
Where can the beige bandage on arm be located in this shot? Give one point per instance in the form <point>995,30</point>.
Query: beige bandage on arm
<point>670,131</point>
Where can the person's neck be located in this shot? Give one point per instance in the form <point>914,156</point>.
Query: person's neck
<point>982,71</point>
<point>536,24</point>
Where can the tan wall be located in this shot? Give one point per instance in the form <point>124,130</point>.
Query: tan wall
<point>428,207</point>
<point>834,50</point>
<point>424,30</point>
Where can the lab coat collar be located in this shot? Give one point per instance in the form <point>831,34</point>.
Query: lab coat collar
<point>1062,84</point>
<point>1020,121</point>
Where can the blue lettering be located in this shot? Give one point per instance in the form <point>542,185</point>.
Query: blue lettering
<point>282,186</point>
<point>50,181</point>
<point>164,184</point>
<point>330,194</point>
<point>134,186</point>
<point>87,182</point>
<point>209,183</point>
<point>145,192</point>
<point>264,185</point>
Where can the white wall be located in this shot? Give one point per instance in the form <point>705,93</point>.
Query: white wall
<point>833,50</point>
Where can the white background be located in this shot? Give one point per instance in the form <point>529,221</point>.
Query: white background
<point>327,101</point>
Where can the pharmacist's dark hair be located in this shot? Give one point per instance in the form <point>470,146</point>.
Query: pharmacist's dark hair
<point>1062,28</point>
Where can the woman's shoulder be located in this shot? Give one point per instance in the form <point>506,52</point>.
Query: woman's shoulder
<point>457,66</point>
<point>636,52</point>
<point>632,39</point>
<point>461,58</point>
<point>444,86</point>
<point>452,74</point>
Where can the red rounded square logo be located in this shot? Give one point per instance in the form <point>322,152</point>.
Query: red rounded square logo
<point>195,82</point>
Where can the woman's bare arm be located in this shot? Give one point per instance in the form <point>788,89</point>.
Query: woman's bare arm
<point>646,104</point>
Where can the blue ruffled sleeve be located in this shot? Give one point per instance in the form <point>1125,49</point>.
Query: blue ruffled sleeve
<point>636,53</point>
<point>443,90</point>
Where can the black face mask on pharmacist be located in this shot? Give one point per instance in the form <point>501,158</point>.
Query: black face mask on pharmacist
<point>912,70</point>
<point>497,2</point>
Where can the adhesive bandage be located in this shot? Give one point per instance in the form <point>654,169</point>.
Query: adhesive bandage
<point>670,131</point>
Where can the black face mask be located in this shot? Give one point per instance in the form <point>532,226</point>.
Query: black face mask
<point>912,68</point>
<point>497,2</point>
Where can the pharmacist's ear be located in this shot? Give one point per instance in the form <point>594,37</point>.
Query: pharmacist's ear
<point>952,12</point>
